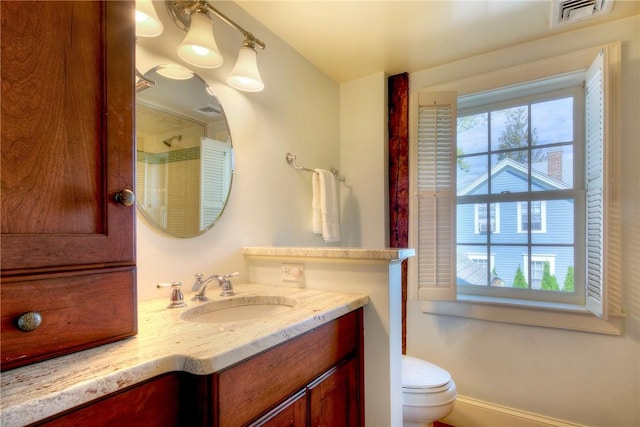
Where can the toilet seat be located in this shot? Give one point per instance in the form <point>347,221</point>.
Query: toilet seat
<point>420,376</point>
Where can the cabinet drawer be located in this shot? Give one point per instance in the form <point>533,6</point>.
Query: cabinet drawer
<point>248,389</point>
<point>78,310</point>
<point>151,404</point>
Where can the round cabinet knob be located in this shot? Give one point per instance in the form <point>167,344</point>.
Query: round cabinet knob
<point>125,197</point>
<point>29,321</point>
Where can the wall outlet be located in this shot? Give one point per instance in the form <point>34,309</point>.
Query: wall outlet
<point>292,273</point>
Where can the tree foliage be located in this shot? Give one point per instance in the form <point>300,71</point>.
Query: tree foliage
<point>568,280</point>
<point>519,281</point>
<point>549,282</point>
<point>463,124</point>
<point>516,135</point>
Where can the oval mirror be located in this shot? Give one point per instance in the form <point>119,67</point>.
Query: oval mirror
<point>184,163</point>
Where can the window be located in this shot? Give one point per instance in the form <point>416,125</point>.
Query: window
<point>482,222</point>
<point>516,155</point>
<point>543,270</point>
<point>518,176</point>
<point>538,215</point>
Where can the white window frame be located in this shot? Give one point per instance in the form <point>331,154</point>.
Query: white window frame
<point>601,312</point>
<point>543,218</point>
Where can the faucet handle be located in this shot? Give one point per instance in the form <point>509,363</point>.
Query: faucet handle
<point>198,282</point>
<point>176,299</point>
<point>225,284</point>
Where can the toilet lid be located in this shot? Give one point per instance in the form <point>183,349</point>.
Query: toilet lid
<point>420,374</point>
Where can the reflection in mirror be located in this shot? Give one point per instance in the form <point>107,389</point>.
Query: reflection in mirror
<point>184,164</point>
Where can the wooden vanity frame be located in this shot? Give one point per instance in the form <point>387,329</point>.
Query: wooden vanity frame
<point>316,378</point>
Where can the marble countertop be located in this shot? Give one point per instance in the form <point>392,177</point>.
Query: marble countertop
<point>164,343</point>
<point>388,254</point>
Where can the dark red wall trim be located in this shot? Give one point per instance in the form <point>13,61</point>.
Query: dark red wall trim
<point>399,176</point>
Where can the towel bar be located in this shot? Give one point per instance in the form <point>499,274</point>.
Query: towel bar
<point>291,160</point>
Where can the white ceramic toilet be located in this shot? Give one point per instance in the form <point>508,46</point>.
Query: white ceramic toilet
<point>428,392</point>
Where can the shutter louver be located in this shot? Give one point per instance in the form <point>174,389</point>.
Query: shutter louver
<point>436,200</point>
<point>215,169</point>
<point>603,238</point>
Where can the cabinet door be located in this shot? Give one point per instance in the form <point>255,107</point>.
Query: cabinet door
<point>333,398</point>
<point>291,413</point>
<point>254,386</point>
<point>67,134</point>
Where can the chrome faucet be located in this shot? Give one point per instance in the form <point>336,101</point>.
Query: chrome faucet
<point>200,286</point>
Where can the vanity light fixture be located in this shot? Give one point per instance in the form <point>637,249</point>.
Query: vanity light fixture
<point>199,47</point>
<point>147,22</point>
<point>245,75</point>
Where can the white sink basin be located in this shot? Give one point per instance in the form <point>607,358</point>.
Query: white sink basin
<point>237,309</point>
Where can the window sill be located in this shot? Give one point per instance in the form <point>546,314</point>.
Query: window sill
<point>562,316</point>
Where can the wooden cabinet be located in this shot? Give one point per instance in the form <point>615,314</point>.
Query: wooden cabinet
<point>67,246</point>
<point>155,403</point>
<point>320,371</point>
<point>333,398</point>
<point>315,379</point>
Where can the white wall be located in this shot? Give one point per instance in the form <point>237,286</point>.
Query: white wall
<point>364,159</point>
<point>270,202</point>
<point>579,377</point>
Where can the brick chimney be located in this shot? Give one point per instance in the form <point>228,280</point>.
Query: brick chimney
<point>554,164</point>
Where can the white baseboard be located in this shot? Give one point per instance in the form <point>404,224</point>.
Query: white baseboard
<point>469,412</point>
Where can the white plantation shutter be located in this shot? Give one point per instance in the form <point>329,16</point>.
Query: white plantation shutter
<point>436,198</point>
<point>603,235</point>
<point>215,170</point>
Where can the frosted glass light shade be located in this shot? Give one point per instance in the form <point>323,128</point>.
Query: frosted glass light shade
<point>147,22</point>
<point>245,75</point>
<point>199,47</point>
<point>174,71</point>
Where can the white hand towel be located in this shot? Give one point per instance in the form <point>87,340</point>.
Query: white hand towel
<point>315,205</point>
<point>326,195</point>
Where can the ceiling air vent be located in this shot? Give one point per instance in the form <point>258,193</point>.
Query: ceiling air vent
<point>568,11</point>
<point>209,110</point>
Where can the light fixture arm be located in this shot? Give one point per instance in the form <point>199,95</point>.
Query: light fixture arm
<point>180,12</point>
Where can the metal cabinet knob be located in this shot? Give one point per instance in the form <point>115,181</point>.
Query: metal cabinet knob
<point>125,197</point>
<point>29,321</point>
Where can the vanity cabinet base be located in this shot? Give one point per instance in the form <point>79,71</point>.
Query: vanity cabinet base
<point>321,370</point>
<point>313,379</point>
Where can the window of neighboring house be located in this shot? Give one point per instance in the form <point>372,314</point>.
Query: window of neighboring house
<point>538,215</point>
<point>521,176</point>
<point>543,270</point>
<point>484,222</point>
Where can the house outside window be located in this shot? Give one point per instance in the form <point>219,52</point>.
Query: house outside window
<point>515,156</point>
<point>536,162</point>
